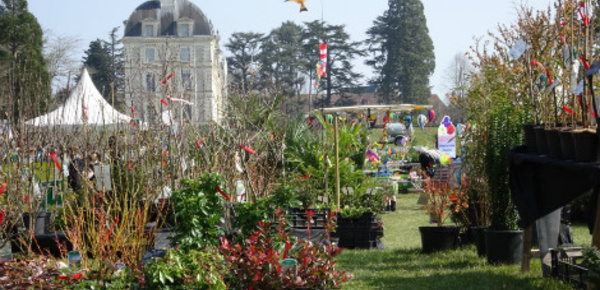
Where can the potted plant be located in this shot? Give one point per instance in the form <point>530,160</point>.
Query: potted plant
<point>504,239</point>
<point>443,201</point>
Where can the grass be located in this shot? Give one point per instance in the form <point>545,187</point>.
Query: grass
<point>400,265</point>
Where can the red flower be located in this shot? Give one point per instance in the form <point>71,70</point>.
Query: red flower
<point>63,277</point>
<point>78,276</point>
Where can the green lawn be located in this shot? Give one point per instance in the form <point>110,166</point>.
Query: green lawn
<point>400,265</point>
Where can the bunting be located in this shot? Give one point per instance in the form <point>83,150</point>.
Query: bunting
<point>323,57</point>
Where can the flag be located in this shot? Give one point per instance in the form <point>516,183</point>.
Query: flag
<point>323,57</point>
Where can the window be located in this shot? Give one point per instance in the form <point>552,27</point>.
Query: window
<point>184,54</point>
<point>186,80</point>
<point>184,30</point>
<point>149,54</point>
<point>149,30</point>
<point>150,82</point>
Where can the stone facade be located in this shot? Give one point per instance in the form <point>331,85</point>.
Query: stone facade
<point>172,53</point>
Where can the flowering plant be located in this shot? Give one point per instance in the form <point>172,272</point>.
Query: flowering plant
<point>444,200</point>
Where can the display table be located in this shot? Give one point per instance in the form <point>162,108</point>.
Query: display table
<point>541,185</point>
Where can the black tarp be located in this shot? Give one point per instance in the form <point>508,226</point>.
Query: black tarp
<point>540,184</point>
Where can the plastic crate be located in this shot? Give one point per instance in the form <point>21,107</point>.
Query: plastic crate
<point>566,265</point>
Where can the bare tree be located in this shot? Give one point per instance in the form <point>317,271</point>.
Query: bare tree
<point>457,75</point>
<point>60,53</point>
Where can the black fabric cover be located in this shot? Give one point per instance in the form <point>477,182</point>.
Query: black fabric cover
<point>540,184</point>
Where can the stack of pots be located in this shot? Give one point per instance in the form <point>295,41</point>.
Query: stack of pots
<point>566,143</point>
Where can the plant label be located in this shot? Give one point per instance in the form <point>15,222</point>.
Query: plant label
<point>289,266</point>
<point>518,49</point>
<point>74,261</point>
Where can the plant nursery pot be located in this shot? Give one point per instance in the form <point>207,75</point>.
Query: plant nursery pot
<point>362,232</point>
<point>503,247</point>
<point>434,238</point>
<point>567,144</point>
<point>479,239</point>
<point>585,145</point>
<point>529,138</point>
<point>540,140</point>
<point>553,142</point>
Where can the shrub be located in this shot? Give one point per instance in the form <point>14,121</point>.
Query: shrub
<point>193,269</point>
<point>256,263</point>
<point>198,212</point>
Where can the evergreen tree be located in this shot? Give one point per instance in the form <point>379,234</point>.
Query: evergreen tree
<point>244,47</point>
<point>403,53</point>
<point>341,53</point>
<point>24,80</point>
<point>281,62</point>
<point>104,61</point>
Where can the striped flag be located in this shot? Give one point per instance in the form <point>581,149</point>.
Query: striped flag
<point>323,56</point>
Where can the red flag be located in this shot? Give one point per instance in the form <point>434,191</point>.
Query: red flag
<point>287,248</point>
<point>223,193</point>
<point>164,102</point>
<point>3,188</point>
<point>585,63</point>
<point>249,150</point>
<point>53,156</point>
<point>304,177</point>
<point>567,110</point>
<point>167,78</point>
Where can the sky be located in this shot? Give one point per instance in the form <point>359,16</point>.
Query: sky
<point>452,24</point>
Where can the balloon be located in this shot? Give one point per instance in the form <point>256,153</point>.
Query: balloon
<point>431,115</point>
<point>421,119</point>
<point>393,115</point>
<point>445,159</point>
<point>330,118</point>
<point>450,129</point>
<point>446,121</point>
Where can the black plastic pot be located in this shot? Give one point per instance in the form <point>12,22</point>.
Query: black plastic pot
<point>585,145</point>
<point>553,143</point>
<point>359,233</point>
<point>567,144</point>
<point>434,239</point>
<point>529,138</point>
<point>479,240</point>
<point>540,140</point>
<point>503,247</point>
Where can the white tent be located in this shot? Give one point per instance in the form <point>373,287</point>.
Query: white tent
<point>85,105</point>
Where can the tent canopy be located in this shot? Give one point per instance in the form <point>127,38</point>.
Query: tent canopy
<point>364,108</point>
<point>85,105</point>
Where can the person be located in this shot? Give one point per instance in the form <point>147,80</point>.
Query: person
<point>428,160</point>
<point>76,168</point>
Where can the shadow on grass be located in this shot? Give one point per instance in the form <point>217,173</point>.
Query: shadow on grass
<point>410,269</point>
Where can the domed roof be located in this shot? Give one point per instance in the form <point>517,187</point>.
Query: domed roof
<point>166,13</point>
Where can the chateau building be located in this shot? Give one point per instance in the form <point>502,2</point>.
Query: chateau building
<point>173,64</point>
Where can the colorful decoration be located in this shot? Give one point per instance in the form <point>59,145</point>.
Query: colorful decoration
<point>372,155</point>
<point>408,121</point>
<point>56,163</point>
<point>3,188</point>
<point>304,177</point>
<point>422,120</point>
<point>167,78</point>
<point>447,137</point>
<point>431,115</point>
<point>249,150</point>
<point>225,195</point>
<point>566,109</point>
<point>179,100</point>
<point>323,56</point>
<point>301,2</point>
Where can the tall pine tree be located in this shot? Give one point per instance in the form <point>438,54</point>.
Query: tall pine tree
<point>341,53</point>
<point>24,80</point>
<point>244,47</point>
<point>104,61</point>
<point>403,54</point>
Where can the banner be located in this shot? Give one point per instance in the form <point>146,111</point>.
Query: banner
<point>447,137</point>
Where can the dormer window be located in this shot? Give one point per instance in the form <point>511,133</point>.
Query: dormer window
<point>184,30</point>
<point>149,28</point>
<point>184,27</point>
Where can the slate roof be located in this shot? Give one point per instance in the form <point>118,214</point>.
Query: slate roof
<point>167,18</point>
